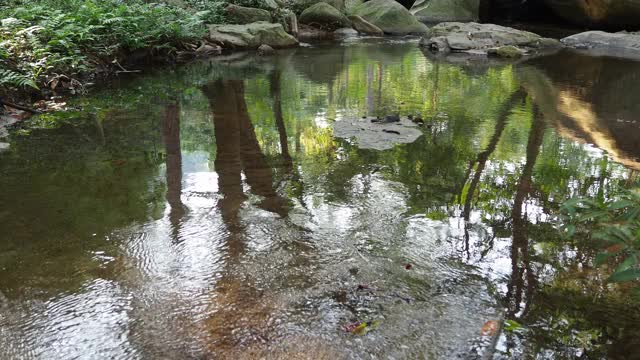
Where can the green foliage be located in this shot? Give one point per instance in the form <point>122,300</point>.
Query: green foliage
<point>614,222</point>
<point>11,78</point>
<point>211,12</point>
<point>75,37</point>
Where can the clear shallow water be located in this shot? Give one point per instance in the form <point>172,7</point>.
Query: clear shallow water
<point>208,212</point>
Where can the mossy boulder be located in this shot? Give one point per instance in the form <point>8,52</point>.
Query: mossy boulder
<point>251,36</point>
<point>246,15</point>
<point>507,52</point>
<point>300,5</point>
<point>433,11</point>
<point>390,16</point>
<point>365,27</point>
<point>324,16</point>
<point>350,5</point>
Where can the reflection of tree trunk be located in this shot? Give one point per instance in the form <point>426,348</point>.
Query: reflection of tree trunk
<point>224,105</point>
<point>434,94</point>
<point>171,134</point>
<point>501,123</point>
<point>521,269</point>
<point>100,128</point>
<point>369,89</point>
<point>277,111</point>
<point>238,304</point>
<point>380,72</point>
<point>238,150</point>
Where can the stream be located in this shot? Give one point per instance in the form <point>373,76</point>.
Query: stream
<point>208,211</point>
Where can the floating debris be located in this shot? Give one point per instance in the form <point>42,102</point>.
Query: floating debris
<point>361,328</point>
<point>489,328</point>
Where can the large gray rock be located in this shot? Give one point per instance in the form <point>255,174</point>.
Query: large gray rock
<point>251,36</point>
<point>246,15</point>
<point>619,13</point>
<point>434,11</point>
<point>324,16</point>
<point>390,16</point>
<point>365,27</point>
<point>620,44</point>
<point>483,38</point>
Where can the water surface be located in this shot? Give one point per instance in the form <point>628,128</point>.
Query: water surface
<point>208,211</point>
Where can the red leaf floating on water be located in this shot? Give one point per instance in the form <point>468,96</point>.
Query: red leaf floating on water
<point>408,266</point>
<point>489,328</point>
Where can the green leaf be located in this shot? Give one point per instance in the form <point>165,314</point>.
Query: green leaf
<point>620,204</point>
<point>626,275</point>
<point>601,258</point>
<point>627,263</point>
<point>511,325</point>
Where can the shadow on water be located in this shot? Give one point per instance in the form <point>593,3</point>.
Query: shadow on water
<point>225,220</point>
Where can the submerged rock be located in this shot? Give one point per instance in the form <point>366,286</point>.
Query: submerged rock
<point>246,15</point>
<point>324,16</point>
<point>265,50</point>
<point>390,17</point>
<point>251,36</point>
<point>364,27</point>
<point>433,11</point>
<point>507,51</point>
<point>308,33</point>
<point>618,13</point>
<point>5,122</point>
<point>345,33</point>
<point>622,44</point>
<point>377,135</point>
<point>206,50</point>
<point>482,38</point>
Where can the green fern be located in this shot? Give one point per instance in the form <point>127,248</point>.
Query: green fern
<point>14,79</point>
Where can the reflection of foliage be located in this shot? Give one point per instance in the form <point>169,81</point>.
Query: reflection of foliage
<point>317,141</point>
<point>614,222</point>
<point>70,184</point>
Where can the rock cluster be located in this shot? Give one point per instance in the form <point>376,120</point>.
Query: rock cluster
<point>485,39</point>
